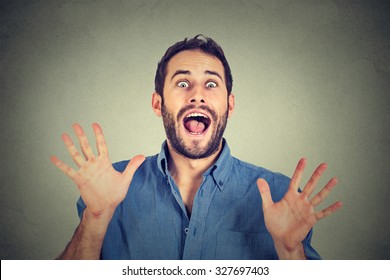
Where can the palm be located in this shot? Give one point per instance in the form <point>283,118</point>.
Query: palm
<point>289,219</point>
<point>100,185</point>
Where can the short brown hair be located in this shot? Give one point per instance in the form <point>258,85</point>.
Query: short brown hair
<point>201,42</point>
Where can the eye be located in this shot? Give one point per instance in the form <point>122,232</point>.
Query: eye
<point>211,85</point>
<point>183,84</point>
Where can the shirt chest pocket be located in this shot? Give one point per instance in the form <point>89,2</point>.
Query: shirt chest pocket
<point>233,245</point>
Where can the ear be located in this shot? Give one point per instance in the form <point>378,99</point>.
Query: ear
<point>156,103</point>
<point>231,104</point>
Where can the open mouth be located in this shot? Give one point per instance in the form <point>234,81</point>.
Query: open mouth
<point>196,123</point>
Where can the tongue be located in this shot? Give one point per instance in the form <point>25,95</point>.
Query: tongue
<point>195,126</point>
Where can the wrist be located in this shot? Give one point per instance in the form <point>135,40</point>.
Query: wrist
<point>290,252</point>
<point>96,225</point>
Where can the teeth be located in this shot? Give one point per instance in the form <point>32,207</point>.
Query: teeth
<point>196,115</point>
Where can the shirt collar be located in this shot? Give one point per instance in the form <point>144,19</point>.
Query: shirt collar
<point>220,170</point>
<point>162,159</point>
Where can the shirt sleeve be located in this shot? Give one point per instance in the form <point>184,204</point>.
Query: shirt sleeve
<point>310,252</point>
<point>80,207</point>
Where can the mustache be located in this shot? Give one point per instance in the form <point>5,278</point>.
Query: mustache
<point>183,110</point>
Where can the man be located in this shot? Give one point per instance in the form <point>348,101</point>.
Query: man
<point>193,200</point>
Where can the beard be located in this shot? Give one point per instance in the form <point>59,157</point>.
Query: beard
<point>195,151</point>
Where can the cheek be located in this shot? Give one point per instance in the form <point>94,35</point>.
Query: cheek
<point>173,101</point>
<point>223,108</point>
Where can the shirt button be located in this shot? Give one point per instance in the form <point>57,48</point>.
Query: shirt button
<point>220,183</point>
<point>186,230</point>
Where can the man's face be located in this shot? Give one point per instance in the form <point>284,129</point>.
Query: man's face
<point>195,105</point>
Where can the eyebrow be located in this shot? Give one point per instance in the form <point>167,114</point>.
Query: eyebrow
<point>178,72</point>
<point>213,73</point>
<point>187,72</point>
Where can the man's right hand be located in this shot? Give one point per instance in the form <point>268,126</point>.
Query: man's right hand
<point>102,188</point>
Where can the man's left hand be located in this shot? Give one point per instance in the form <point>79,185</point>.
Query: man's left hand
<point>290,220</point>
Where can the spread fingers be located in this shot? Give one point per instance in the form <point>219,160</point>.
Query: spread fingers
<point>63,167</point>
<point>74,153</point>
<point>84,144</point>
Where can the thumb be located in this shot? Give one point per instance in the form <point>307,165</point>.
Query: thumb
<point>265,193</point>
<point>132,166</point>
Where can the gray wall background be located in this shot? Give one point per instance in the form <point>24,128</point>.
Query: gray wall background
<point>311,78</point>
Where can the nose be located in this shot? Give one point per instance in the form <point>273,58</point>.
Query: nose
<point>194,100</point>
<point>198,96</point>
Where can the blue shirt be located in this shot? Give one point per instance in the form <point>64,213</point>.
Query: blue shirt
<point>226,222</point>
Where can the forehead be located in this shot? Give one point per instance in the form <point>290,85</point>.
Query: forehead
<point>194,61</point>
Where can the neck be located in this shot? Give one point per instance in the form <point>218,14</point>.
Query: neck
<point>182,167</point>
